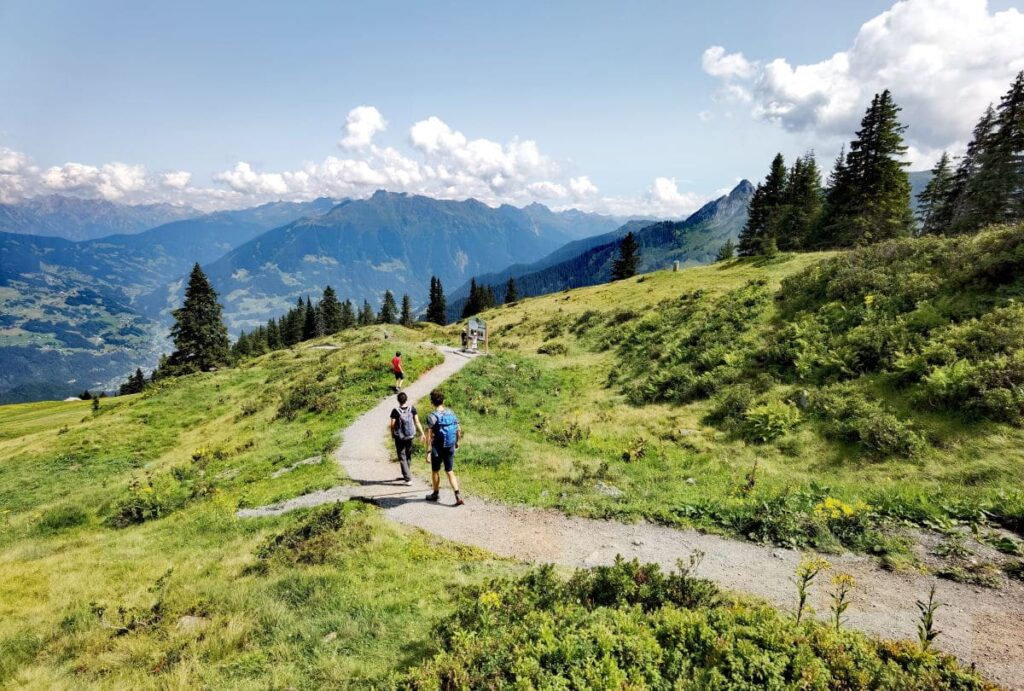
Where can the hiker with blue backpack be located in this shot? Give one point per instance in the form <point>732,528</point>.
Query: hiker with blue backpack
<point>443,436</point>
<point>405,427</point>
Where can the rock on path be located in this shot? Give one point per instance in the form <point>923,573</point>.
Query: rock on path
<point>980,626</point>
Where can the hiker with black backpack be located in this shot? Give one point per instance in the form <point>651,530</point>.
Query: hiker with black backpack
<point>443,436</point>
<point>405,427</point>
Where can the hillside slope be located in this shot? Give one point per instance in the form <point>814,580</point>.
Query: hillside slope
<point>693,241</point>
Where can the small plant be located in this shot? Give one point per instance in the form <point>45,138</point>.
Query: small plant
<point>926,631</point>
<point>842,585</point>
<point>95,405</point>
<point>751,478</point>
<point>769,421</point>
<point>636,451</point>
<point>806,572</point>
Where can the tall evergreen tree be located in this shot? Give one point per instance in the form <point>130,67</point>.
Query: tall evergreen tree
<point>273,335</point>
<point>294,322</point>
<point>348,315</point>
<point>995,193</point>
<point>241,350</point>
<point>727,251</point>
<point>957,206</point>
<point>511,291</point>
<point>330,311</point>
<point>388,309</point>
<point>406,318</point>
<point>366,316</point>
<point>200,337</point>
<point>932,201</point>
<point>437,307</point>
<point>135,384</point>
<point>626,262</point>
<point>764,210</point>
<point>309,326</point>
<point>869,198</point>
<point>472,305</point>
<point>802,205</point>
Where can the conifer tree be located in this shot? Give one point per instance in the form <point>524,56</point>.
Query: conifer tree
<point>472,305</point>
<point>274,341</point>
<point>388,309</point>
<point>802,205</point>
<point>932,201</point>
<point>995,194</point>
<point>626,262</point>
<point>957,205</point>
<point>406,318</point>
<point>309,325</point>
<point>366,316</point>
<point>765,208</point>
<point>294,322</point>
<point>869,198</point>
<point>199,335</point>
<point>437,308</point>
<point>348,315</point>
<point>135,384</point>
<point>727,251</point>
<point>241,349</point>
<point>330,311</point>
<point>511,291</point>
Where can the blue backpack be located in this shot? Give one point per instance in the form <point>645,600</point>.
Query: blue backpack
<point>446,428</point>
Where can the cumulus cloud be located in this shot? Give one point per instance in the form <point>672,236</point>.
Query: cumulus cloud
<point>361,124</point>
<point>438,161</point>
<point>943,60</point>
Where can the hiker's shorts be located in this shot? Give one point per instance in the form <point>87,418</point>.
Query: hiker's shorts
<point>399,374</point>
<point>445,457</point>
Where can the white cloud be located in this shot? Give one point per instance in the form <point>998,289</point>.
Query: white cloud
<point>943,60</point>
<point>361,124</point>
<point>582,187</point>
<point>718,63</point>
<point>177,180</point>
<point>111,181</point>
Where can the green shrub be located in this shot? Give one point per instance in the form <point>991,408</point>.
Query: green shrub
<point>63,517</point>
<point>319,535</point>
<point>768,421</point>
<point>556,348</point>
<point>848,416</point>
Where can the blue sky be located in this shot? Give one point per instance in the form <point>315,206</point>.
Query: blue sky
<point>621,94</point>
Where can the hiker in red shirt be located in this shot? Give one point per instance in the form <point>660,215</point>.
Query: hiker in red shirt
<point>396,367</point>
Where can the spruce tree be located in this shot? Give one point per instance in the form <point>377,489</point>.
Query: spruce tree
<point>241,350</point>
<point>366,316</point>
<point>995,194</point>
<point>348,315</point>
<point>309,321</point>
<point>473,302</point>
<point>293,323</point>
<point>625,264</point>
<point>135,384</point>
<point>511,292</point>
<point>957,206</point>
<point>388,309</point>
<point>802,205</point>
<point>869,199</point>
<point>200,337</point>
<point>406,318</point>
<point>330,311</point>
<point>274,341</point>
<point>765,209</point>
<point>931,202</point>
<point>727,251</point>
<point>437,308</point>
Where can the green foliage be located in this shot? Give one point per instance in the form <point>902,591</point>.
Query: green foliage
<point>63,517</point>
<point>437,307</point>
<point>630,625</point>
<point>320,535</point>
<point>768,421</point>
<point>200,337</point>
<point>388,309</point>
<point>628,259</point>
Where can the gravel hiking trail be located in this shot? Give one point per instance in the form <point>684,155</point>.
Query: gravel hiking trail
<point>981,626</point>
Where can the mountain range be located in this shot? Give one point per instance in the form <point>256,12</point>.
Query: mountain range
<point>695,240</point>
<point>73,218</point>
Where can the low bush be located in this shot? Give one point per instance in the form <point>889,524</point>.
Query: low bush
<point>319,536</point>
<point>63,517</point>
<point>769,421</point>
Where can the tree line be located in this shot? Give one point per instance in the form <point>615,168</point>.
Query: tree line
<point>866,198</point>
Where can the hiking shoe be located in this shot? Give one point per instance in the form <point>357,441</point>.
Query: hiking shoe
<point>407,483</point>
<point>458,501</point>
<point>433,496</point>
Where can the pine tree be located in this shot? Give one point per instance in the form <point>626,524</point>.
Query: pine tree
<point>348,315</point>
<point>437,308</point>
<point>330,311</point>
<point>388,309</point>
<point>406,318</point>
<point>801,210</point>
<point>932,199</point>
<point>274,341</point>
<point>765,208</point>
<point>472,305</point>
<point>511,292</point>
<point>957,205</point>
<point>135,384</point>
<point>241,350</point>
<point>366,316</point>
<point>309,325</point>
<point>625,264</point>
<point>995,193</point>
<point>85,395</point>
<point>727,251</point>
<point>293,323</point>
<point>199,335</point>
<point>869,200</point>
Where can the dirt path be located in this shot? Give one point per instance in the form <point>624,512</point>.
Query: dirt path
<point>980,626</point>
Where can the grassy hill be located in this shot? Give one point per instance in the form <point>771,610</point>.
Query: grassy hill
<point>123,563</point>
<point>826,400</point>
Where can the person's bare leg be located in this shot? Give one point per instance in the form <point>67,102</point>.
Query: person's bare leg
<point>435,479</point>
<point>452,480</point>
